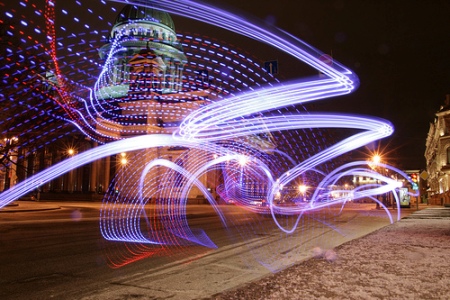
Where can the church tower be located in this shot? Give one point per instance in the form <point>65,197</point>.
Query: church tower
<point>141,91</point>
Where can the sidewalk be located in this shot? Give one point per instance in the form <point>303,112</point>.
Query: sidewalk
<point>25,206</point>
<point>409,259</point>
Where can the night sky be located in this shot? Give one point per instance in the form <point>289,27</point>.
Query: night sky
<point>399,49</point>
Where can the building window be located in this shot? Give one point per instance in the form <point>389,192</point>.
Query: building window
<point>448,156</point>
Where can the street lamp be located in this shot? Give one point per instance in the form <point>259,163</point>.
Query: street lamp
<point>123,159</point>
<point>302,189</point>
<point>123,162</point>
<point>72,174</point>
<point>374,161</point>
<point>214,184</point>
<point>243,160</point>
<point>376,158</point>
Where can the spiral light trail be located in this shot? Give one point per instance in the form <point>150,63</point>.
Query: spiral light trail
<point>231,128</point>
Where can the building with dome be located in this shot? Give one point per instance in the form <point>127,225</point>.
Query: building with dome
<point>142,90</point>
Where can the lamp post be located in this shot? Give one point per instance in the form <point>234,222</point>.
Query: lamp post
<point>123,163</point>
<point>302,189</point>
<point>242,162</point>
<point>375,160</point>
<point>214,185</point>
<point>71,153</point>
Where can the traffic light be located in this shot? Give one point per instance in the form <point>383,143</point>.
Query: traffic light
<point>414,177</point>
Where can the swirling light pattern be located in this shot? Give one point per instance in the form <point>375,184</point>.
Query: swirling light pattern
<point>236,119</point>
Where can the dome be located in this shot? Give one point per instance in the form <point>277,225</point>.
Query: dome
<point>133,12</point>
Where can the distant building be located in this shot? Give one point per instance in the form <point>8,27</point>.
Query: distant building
<point>437,155</point>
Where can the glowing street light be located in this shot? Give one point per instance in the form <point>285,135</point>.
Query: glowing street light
<point>243,160</point>
<point>123,159</point>
<point>376,158</point>
<point>374,161</point>
<point>302,188</point>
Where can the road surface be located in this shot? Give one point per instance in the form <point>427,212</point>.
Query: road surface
<point>61,254</point>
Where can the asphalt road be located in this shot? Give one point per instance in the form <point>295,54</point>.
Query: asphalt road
<point>61,254</point>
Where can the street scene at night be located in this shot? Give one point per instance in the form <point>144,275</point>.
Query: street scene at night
<point>199,150</point>
<point>406,260</point>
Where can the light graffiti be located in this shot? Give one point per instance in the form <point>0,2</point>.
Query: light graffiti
<point>231,115</point>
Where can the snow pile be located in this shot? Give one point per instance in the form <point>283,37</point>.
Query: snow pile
<point>407,260</point>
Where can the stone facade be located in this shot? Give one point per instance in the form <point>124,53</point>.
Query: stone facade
<point>437,156</point>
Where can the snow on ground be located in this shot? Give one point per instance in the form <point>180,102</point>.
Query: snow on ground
<point>406,260</point>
